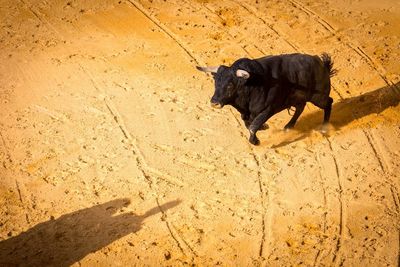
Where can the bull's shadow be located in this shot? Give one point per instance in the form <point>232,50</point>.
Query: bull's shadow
<point>348,110</point>
<point>68,239</point>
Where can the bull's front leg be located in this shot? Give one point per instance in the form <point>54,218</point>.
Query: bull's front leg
<point>247,119</point>
<point>257,124</point>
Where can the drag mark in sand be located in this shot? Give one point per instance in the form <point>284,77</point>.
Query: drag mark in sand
<point>342,212</point>
<point>141,163</point>
<point>325,203</point>
<point>6,151</point>
<point>358,50</point>
<point>165,30</point>
<point>164,218</point>
<point>265,201</point>
<point>268,24</point>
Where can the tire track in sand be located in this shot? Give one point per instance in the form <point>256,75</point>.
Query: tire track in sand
<point>380,70</point>
<point>381,157</point>
<point>140,162</point>
<point>168,32</point>
<point>265,195</point>
<point>164,218</point>
<point>265,198</point>
<point>146,170</point>
<point>263,192</point>
<point>342,210</point>
<point>213,12</point>
<point>6,151</point>
<point>332,152</point>
<point>384,166</point>
<point>41,19</point>
<point>268,24</point>
<point>325,202</point>
<point>176,236</point>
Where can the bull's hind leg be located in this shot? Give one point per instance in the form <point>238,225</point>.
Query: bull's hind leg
<point>327,110</point>
<point>324,102</point>
<point>296,115</point>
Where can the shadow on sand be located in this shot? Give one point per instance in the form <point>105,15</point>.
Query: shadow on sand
<point>348,110</point>
<point>68,239</point>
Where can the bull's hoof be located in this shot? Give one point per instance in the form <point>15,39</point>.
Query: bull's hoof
<point>264,127</point>
<point>324,129</point>
<point>288,127</point>
<point>254,140</point>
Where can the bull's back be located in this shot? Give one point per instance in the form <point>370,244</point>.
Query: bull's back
<point>302,70</point>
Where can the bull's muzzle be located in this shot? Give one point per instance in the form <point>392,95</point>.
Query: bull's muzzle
<point>216,105</point>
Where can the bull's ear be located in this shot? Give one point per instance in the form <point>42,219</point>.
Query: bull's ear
<point>242,74</point>
<point>208,69</point>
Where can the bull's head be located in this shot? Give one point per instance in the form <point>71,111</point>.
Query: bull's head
<point>227,82</point>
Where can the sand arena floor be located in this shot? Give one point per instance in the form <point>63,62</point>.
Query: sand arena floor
<point>110,154</point>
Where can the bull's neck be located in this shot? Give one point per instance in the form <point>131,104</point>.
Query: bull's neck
<point>241,101</point>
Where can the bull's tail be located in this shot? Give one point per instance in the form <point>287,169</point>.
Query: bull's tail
<point>328,64</point>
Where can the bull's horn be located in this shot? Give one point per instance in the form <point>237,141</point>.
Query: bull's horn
<point>208,69</point>
<point>242,74</point>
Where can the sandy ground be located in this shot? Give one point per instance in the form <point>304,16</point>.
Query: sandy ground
<point>110,154</point>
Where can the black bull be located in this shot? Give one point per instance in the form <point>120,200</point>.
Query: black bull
<point>262,87</point>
